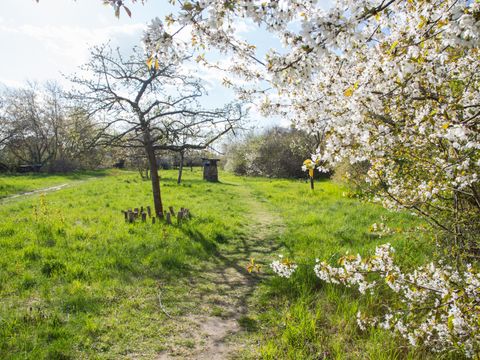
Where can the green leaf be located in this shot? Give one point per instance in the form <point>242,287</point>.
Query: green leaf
<point>394,45</point>
<point>450,322</point>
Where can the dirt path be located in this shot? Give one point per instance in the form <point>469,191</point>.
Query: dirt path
<point>214,330</point>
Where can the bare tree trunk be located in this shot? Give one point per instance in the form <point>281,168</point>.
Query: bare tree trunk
<point>180,168</point>
<point>157,196</point>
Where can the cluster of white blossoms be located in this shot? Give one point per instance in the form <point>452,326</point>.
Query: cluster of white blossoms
<point>380,229</point>
<point>434,306</point>
<point>283,267</point>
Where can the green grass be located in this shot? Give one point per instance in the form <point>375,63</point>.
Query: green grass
<point>76,281</point>
<point>20,183</point>
<point>303,318</point>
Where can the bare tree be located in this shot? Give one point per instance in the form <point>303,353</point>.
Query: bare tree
<point>8,127</point>
<point>154,108</point>
<point>32,118</point>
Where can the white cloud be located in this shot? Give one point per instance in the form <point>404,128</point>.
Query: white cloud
<point>44,52</point>
<point>244,27</point>
<point>72,42</point>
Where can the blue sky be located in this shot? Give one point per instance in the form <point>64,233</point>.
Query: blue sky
<point>40,41</point>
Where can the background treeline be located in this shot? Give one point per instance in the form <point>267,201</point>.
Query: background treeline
<point>42,130</point>
<point>277,152</point>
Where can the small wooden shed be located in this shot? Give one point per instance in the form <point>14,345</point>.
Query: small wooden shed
<point>210,170</point>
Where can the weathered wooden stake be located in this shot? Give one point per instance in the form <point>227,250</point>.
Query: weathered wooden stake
<point>131,215</point>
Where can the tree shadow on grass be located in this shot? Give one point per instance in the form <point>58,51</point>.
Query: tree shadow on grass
<point>227,272</point>
<point>209,246</point>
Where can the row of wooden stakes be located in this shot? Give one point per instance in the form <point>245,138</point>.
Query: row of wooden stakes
<point>141,213</point>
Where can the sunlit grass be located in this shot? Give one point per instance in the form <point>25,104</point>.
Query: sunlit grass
<point>76,281</point>
<point>11,184</point>
<point>303,318</point>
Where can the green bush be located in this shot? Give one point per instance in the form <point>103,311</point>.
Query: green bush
<point>277,153</point>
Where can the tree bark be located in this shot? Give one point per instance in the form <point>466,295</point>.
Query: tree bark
<point>180,168</point>
<point>155,179</point>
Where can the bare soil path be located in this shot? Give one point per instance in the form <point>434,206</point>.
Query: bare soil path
<point>213,328</point>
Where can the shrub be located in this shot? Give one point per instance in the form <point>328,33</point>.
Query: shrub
<point>278,153</point>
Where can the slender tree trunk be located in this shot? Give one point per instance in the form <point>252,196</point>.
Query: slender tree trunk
<point>180,168</point>
<point>155,179</point>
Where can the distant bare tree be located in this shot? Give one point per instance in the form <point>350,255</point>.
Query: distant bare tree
<point>32,118</point>
<point>154,108</point>
<point>38,126</point>
<point>8,128</point>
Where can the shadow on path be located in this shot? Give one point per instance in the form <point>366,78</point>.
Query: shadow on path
<point>221,292</point>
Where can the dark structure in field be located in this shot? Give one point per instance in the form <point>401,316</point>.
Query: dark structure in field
<point>120,164</point>
<point>210,170</point>
<point>29,168</point>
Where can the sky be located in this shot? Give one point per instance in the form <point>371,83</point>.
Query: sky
<point>41,41</point>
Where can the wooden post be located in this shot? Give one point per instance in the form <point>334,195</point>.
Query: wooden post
<point>144,217</point>
<point>169,219</point>
<point>131,217</point>
<point>149,211</point>
<point>125,214</point>
<point>141,209</point>
<point>179,217</point>
<point>172,211</point>
<point>153,220</point>
<point>311,183</point>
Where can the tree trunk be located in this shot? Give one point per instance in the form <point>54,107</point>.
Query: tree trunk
<point>180,168</point>
<point>152,160</point>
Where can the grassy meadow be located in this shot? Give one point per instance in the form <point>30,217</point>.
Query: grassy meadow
<point>22,183</point>
<point>76,281</point>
